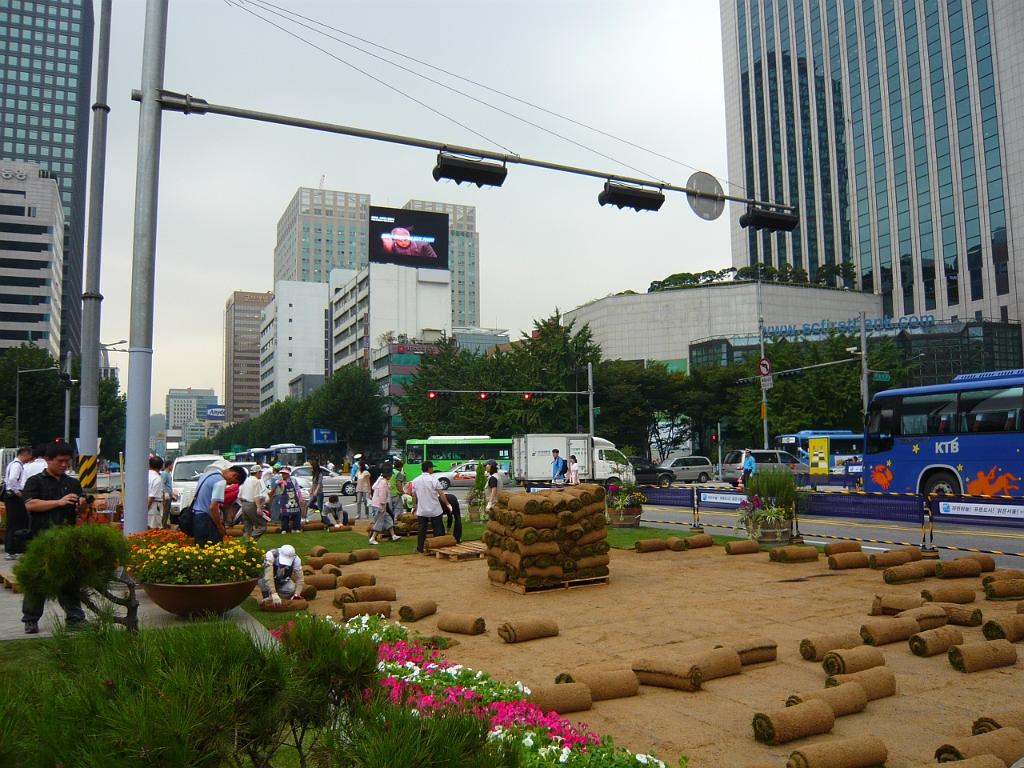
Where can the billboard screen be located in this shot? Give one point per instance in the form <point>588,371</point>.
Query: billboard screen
<point>215,413</point>
<point>408,238</point>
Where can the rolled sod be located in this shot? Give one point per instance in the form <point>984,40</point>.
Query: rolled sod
<point>1008,718</point>
<point>962,615</point>
<point>889,559</point>
<point>1011,589</point>
<point>747,547</point>
<point>815,647</point>
<point>318,551</point>
<point>316,563</point>
<point>845,699</point>
<point>295,604</point>
<point>538,548</point>
<point>348,610</point>
<point>988,654</point>
<point>308,593</point>
<point>500,577</point>
<point>988,563</point>
<point>314,526</point>
<point>720,662</point>
<point>522,630</point>
<point>604,684</point>
<point>914,552</point>
<point>675,543</point>
<point>859,752</point>
<point>538,520</point>
<point>699,541</point>
<point>362,555</point>
<point>840,547</point>
<point>843,561</point>
<point>562,698</point>
<point>417,609</point>
<point>885,631</point>
<point>331,570</point>
<point>353,580</point>
<point>796,554</point>
<point>932,642</point>
<point>1007,574</point>
<point>307,570</point>
<point>523,502</point>
<point>373,594</point>
<point>1011,628</point>
<point>681,674</point>
<point>592,562</point>
<point>596,535</point>
<point>845,661</point>
<point>908,572</point>
<point>339,528</point>
<point>754,651</point>
<point>890,605</point>
<point>461,624</point>
<point>440,542</point>
<point>783,725</point>
<point>651,545</point>
<point>1005,743</point>
<point>343,595</point>
<point>339,558</point>
<point>950,593</point>
<point>930,616</point>
<point>877,682</point>
<point>322,581</point>
<point>961,568</point>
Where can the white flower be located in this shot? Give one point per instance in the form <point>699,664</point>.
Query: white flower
<point>566,752</point>
<point>641,759</point>
<point>522,688</point>
<point>528,740</point>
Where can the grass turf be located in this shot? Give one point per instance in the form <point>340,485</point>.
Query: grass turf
<point>346,541</point>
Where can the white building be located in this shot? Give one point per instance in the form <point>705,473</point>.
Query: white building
<point>184,405</point>
<point>386,298</point>
<point>294,334</point>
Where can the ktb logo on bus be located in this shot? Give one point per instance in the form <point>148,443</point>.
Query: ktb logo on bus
<point>948,446</point>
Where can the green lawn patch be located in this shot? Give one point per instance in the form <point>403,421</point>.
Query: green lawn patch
<point>347,541</point>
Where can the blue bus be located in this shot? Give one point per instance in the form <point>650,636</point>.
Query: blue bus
<point>960,438</point>
<point>844,447</point>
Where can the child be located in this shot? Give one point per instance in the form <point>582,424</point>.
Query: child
<point>333,510</point>
<point>379,507</point>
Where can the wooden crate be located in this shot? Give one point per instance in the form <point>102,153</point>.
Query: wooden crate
<point>8,581</point>
<point>519,589</point>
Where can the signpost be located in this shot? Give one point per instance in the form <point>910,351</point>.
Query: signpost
<point>767,382</point>
<point>764,366</point>
<point>880,376</point>
<point>324,436</point>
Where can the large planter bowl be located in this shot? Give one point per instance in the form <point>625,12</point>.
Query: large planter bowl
<point>628,517</point>
<point>773,534</point>
<point>194,600</point>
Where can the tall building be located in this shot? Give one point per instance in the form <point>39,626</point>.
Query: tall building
<point>185,405</point>
<point>294,337</point>
<point>242,353</point>
<point>323,229</point>
<point>31,257</point>
<point>46,75</point>
<point>896,127</point>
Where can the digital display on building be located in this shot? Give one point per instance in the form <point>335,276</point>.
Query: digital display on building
<point>408,238</point>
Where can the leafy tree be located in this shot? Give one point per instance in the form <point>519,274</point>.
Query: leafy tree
<point>634,398</point>
<point>707,396</point>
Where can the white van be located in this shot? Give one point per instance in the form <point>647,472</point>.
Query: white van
<point>186,471</point>
<point>599,461</point>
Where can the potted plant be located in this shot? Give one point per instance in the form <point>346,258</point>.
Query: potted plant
<point>477,498</point>
<point>627,500</point>
<point>767,512</point>
<point>190,581</point>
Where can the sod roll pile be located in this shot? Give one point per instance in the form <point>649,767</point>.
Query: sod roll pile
<point>860,752</point>
<point>890,605</point>
<point>1010,589</point>
<point>885,631</point>
<point>563,698</point>
<point>988,654</point>
<point>660,672</point>
<point>815,647</point>
<point>406,524</point>
<point>1006,743</point>
<point>747,547</point>
<point>523,630</point>
<point>932,642</point>
<point>417,609</point>
<point>840,547</point>
<point>845,699</point>
<point>950,593</point>
<point>877,682</point>
<point>928,616</point>
<point>348,610</point>
<point>757,650</point>
<point>604,683</point>
<point>961,568</point>
<point>1011,628</point>
<point>783,725</point>
<point>848,660</point>
<point>1007,718</point>
<point>843,561</point>
<point>461,624</point>
<point>962,615</point>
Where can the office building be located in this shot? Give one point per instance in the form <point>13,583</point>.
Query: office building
<point>392,366</point>
<point>242,316</point>
<point>896,128</point>
<point>46,68</point>
<point>294,336</point>
<point>479,340</point>
<point>31,257</point>
<point>185,405</point>
<point>322,230</point>
<point>304,385</point>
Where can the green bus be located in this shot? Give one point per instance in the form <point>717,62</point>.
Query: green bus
<point>447,451</point>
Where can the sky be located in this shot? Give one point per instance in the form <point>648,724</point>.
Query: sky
<point>649,72</point>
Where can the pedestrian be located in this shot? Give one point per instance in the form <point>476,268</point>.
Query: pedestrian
<point>574,471</point>
<point>52,498</point>
<point>316,490</point>
<point>155,492</point>
<point>362,491</point>
<point>382,521</point>
<point>330,465</point>
<point>374,471</point>
<point>427,497</point>
<point>38,463</point>
<point>169,494</point>
<point>282,574</point>
<point>749,466</point>
<point>14,503</point>
<point>397,490</point>
<point>334,511</point>
<point>290,502</point>
<point>355,466</point>
<point>453,516</point>
<point>558,468</point>
<point>207,520</point>
<point>495,485</point>
<point>252,495</point>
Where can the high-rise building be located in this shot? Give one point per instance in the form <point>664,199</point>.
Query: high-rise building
<point>324,229</point>
<point>185,405</point>
<point>895,126</point>
<point>31,257</point>
<point>294,337</point>
<point>242,316</point>
<point>46,75</point>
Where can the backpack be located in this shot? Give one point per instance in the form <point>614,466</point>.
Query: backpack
<point>187,516</point>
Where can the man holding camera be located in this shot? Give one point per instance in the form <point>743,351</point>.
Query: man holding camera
<point>52,498</point>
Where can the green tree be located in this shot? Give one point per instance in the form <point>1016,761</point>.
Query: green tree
<point>42,396</point>
<point>708,396</point>
<point>634,399</point>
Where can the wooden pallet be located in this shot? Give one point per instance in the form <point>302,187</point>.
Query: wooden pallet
<point>8,581</point>
<point>519,589</point>
<point>467,550</point>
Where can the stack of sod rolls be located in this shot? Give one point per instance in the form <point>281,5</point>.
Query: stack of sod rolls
<point>542,539</point>
<point>406,524</point>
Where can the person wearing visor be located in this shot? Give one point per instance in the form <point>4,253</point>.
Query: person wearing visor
<point>282,574</point>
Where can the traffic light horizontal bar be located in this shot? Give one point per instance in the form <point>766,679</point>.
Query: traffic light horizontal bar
<point>795,371</point>
<point>506,392</point>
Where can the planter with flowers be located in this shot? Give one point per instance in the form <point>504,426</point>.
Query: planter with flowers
<point>767,512</point>
<point>191,581</point>
<point>625,506</point>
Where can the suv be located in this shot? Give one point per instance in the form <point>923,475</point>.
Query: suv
<point>648,474</point>
<point>732,465</point>
<point>690,469</point>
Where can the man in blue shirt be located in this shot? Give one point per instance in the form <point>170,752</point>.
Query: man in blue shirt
<point>558,467</point>
<point>749,467</point>
<point>208,525</point>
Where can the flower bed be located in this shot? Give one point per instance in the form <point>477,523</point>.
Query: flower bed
<point>157,538</point>
<point>173,563</point>
<point>416,675</point>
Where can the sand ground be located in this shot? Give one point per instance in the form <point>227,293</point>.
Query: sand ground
<point>680,602</point>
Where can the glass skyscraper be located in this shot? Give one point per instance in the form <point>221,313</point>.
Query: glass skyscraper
<point>46,79</point>
<point>896,127</point>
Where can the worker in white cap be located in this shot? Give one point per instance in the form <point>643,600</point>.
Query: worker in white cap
<point>282,574</point>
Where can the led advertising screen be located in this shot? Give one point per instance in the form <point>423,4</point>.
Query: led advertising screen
<point>408,238</point>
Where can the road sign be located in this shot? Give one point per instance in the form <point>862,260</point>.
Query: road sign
<point>881,376</point>
<point>597,411</point>
<point>324,436</point>
<point>708,208</point>
<point>767,382</point>
<point>764,366</point>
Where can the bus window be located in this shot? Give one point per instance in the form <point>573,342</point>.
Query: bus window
<point>991,410</point>
<point>930,414</point>
<point>880,424</point>
<point>413,454</point>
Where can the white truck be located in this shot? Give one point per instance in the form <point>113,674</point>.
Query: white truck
<point>598,460</point>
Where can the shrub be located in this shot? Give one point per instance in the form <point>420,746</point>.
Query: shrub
<point>776,487</point>
<point>66,559</point>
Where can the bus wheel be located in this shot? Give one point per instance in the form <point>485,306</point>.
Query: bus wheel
<point>941,482</point>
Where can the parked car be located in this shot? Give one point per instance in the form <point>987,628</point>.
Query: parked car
<point>334,484</point>
<point>464,475</point>
<point>648,474</point>
<point>690,469</point>
<point>732,465</point>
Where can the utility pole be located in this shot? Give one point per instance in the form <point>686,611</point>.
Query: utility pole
<point>140,345</point>
<point>864,361</point>
<point>719,450</point>
<point>89,409</point>
<point>67,398</point>
<point>760,333</point>
<point>590,397</point>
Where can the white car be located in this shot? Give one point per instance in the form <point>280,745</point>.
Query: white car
<point>184,473</point>
<point>464,475</point>
<point>334,484</point>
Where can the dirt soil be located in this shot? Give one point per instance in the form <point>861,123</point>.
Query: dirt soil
<point>681,602</point>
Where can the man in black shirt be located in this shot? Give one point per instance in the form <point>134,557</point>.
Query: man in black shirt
<point>52,498</point>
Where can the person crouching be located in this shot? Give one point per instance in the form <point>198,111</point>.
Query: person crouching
<point>379,506</point>
<point>282,574</point>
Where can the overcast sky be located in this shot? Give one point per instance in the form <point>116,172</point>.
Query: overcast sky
<point>649,72</point>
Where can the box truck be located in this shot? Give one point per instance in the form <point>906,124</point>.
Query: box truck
<point>598,460</point>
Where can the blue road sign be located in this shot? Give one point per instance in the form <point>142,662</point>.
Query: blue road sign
<point>324,436</point>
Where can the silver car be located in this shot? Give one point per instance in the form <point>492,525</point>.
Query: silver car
<point>732,465</point>
<point>464,475</point>
<point>334,484</point>
<point>690,469</point>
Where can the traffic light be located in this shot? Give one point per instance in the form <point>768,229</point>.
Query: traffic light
<point>65,379</point>
<point>527,395</point>
<point>431,395</point>
<point>795,373</point>
<point>714,439</point>
<point>484,395</point>
<point>637,198</point>
<point>773,221</point>
<point>475,171</point>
